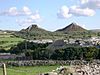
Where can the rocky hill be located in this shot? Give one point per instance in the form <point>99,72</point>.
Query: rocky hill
<point>35,32</point>
<point>73,27</point>
<point>33,28</point>
<point>72,30</point>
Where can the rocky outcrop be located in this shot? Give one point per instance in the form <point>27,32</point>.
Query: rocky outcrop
<point>89,69</point>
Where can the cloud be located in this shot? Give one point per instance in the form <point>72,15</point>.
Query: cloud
<point>10,12</point>
<point>64,12</point>
<point>27,11</point>
<point>29,16</point>
<point>84,1</point>
<point>24,22</point>
<point>85,8</point>
<point>77,11</point>
<point>35,16</point>
<point>92,4</point>
<point>13,11</point>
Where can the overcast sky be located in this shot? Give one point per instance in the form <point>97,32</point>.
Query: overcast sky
<point>49,14</point>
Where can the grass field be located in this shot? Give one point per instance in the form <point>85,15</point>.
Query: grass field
<point>8,40</point>
<point>28,70</point>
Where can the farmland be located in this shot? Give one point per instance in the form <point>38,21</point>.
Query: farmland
<point>35,70</point>
<point>7,40</point>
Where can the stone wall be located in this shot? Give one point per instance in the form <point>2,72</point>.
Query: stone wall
<point>46,62</point>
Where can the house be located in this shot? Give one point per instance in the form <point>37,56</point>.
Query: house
<point>42,41</point>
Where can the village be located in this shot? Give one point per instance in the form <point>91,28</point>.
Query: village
<point>87,42</point>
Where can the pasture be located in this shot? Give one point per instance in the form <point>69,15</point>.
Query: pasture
<point>34,70</point>
<point>8,40</point>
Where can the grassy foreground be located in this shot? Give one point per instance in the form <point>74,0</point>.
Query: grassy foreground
<point>28,70</point>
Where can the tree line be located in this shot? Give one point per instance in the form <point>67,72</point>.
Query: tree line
<point>37,51</point>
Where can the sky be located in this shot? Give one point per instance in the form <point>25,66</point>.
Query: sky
<point>49,14</point>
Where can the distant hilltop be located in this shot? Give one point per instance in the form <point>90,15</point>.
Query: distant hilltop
<point>72,30</point>
<point>33,27</point>
<point>73,27</point>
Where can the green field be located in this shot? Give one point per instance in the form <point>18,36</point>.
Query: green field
<point>8,40</point>
<point>28,70</point>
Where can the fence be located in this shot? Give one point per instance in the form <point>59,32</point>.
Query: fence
<point>4,69</point>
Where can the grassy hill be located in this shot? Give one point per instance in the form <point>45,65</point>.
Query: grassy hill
<point>76,31</point>
<point>34,32</point>
<point>71,31</point>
